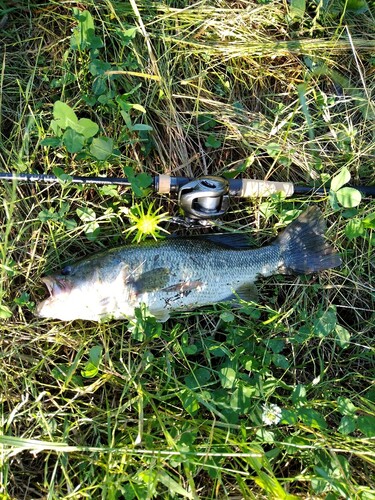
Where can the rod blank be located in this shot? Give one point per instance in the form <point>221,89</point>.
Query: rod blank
<point>165,184</point>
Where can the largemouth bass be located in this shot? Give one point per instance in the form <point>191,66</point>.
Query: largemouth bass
<point>183,273</point>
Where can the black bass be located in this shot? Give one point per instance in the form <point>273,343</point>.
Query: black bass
<point>183,273</point>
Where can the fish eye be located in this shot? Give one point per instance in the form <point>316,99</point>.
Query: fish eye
<point>66,270</point>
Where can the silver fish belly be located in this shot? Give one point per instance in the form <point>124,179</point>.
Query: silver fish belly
<point>183,273</point>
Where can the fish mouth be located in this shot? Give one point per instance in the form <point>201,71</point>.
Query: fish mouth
<point>56,285</point>
<point>48,281</point>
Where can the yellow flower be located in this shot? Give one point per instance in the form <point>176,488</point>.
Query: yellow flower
<point>146,223</point>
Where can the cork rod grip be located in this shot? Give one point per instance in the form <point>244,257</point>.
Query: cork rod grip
<point>164,185</point>
<point>256,188</point>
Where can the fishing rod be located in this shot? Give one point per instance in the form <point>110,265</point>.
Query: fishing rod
<point>202,198</point>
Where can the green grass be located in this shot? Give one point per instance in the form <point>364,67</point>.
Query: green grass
<point>140,410</point>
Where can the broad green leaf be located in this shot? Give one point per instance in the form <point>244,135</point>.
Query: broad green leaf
<point>150,478</point>
<point>92,230</point>
<point>101,148</point>
<point>79,39</point>
<point>190,349</point>
<point>227,377</point>
<point>123,103</point>
<point>288,417</point>
<point>325,322</point>
<point>348,197</point>
<point>23,299</point>
<point>126,35</point>
<point>139,107</point>
<point>354,228</point>
<point>73,141</point>
<point>366,424</point>
<point>127,119</point>
<point>336,484</point>
<point>280,361</point>
<point>342,336</point>
<point>64,208</point>
<point>333,200</point>
<point>312,418</point>
<point>63,177</point>
<point>142,127</point>
<point>48,214</point>
<point>92,366</point>
<point>345,406</point>
<point>227,317</point>
<point>265,436</point>
<point>144,180</point>
<point>297,9</point>
<point>98,67</point>
<point>99,85</point>
<point>296,443</point>
<point>276,345</point>
<point>5,312</point>
<point>302,334</point>
<point>83,36</point>
<point>273,149</point>
<point>53,142</point>
<point>63,372</point>
<point>212,142</point>
<point>299,394</point>
<point>69,224</point>
<point>139,183</point>
<point>55,128</point>
<point>86,214</point>
<point>189,401</point>
<point>347,425</point>
<point>242,397</point>
<point>197,379</point>
<point>90,370</point>
<point>87,128</point>
<point>357,6</point>
<point>95,354</point>
<point>340,179</point>
<point>369,221</point>
<point>64,116</point>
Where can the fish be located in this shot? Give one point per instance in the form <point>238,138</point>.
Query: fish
<point>183,273</point>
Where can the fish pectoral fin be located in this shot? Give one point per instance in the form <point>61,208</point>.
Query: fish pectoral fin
<point>247,292</point>
<point>161,315</point>
<point>151,280</point>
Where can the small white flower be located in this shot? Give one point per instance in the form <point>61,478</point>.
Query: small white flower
<point>271,414</point>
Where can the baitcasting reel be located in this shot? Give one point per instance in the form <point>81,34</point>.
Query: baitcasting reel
<point>204,198</point>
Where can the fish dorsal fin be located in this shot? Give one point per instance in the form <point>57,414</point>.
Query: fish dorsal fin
<point>151,280</point>
<point>229,240</point>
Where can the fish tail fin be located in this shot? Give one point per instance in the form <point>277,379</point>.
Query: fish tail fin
<point>303,246</point>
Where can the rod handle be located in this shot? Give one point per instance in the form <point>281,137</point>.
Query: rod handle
<point>260,189</point>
